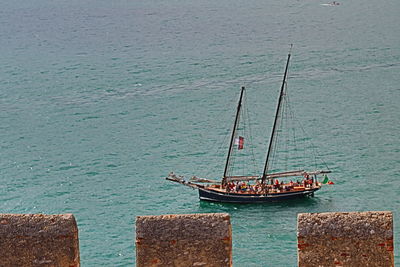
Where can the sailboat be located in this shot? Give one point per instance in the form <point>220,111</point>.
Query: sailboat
<point>266,187</point>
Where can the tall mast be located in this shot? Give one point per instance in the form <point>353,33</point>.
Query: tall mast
<point>233,136</point>
<point>273,134</point>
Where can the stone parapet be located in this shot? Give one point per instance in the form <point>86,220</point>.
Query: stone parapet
<point>38,240</point>
<point>345,239</point>
<point>184,240</point>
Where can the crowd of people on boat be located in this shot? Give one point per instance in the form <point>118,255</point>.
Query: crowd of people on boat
<point>277,186</point>
<point>247,188</point>
<point>242,187</point>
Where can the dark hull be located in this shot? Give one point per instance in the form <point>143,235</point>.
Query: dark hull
<point>211,195</point>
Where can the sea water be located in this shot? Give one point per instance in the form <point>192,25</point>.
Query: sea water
<point>100,100</point>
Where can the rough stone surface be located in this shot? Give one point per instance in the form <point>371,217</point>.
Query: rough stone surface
<point>184,240</point>
<point>345,239</point>
<point>38,240</point>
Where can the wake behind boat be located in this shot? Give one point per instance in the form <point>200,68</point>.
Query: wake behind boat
<point>266,187</point>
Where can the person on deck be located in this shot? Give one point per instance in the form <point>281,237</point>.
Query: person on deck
<point>243,187</point>
<point>229,187</point>
<point>252,188</point>
<point>276,184</point>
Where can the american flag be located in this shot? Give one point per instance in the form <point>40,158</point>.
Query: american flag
<point>240,142</point>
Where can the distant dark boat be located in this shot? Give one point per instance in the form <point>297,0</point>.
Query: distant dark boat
<point>334,3</point>
<point>266,188</point>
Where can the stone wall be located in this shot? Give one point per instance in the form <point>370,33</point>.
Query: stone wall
<point>38,240</point>
<point>324,239</point>
<point>184,240</point>
<point>345,239</point>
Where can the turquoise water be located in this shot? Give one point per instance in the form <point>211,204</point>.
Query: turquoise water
<point>99,100</point>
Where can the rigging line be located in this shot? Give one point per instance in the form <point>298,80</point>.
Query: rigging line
<point>279,114</point>
<point>313,147</point>
<point>244,132</point>
<point>219,150</point>
<point>284,130</point>
<point>286,108</point>
<point>273,150</point>
<point>251,143</point>
<point>232,164</point>
<point>233,159</point>
<point>235,131</point>
<point>292,125</point>
<point>275,144</point>
<point>280,139</point>
<point>287,136</point>
<point>281,135</point>
<point>245,158</point>
<point>304,150</point>
<point>307,139</point>
<point>316,154</point>
<point>222,145</point>
<point>313,151</point>
<point>292,118</point>
<point>243,155</point>
<point>274,154</point>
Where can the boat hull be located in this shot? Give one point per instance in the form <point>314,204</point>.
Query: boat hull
<point>214,196</point>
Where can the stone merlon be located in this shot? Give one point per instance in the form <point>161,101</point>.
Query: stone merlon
<point>184,240</point>
<point>39,240</point>
<point>345,239</point>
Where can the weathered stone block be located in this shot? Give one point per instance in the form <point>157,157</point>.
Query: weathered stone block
<point>38,240</point>
<point>345,239</point>
<point>184,240</point>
